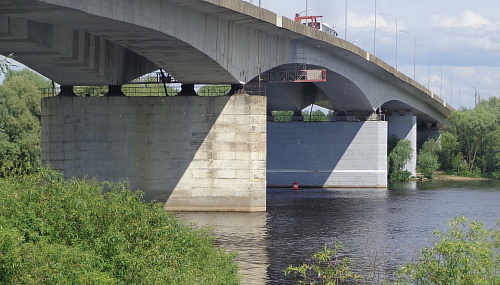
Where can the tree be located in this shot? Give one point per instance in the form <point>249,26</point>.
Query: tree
<point>399,153</point>
<point>474,131</point>
<point>214,90</point>
<point>466,254</point>
<point>314,116</point>
<point>427,158</point>
<point>20,121</point>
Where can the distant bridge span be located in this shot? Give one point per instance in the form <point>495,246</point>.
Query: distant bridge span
<point>105,42</point>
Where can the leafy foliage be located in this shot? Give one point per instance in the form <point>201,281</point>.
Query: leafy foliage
<point>428,160</point>
<point>20,122</point>
<point>214,90</point>
<point>399,153</point>
<point>282,116</point>
<point>325,267</point>
<point>56,231</point>
<point>466,254</point>
<point>476,132</point>
<point>315,116</point>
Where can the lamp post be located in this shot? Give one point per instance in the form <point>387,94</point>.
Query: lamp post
<point>375,32</point>
<point>441,91</point>
<point>396,37</point>
<point>428,66</point>
<point>345,35</point>
<point>414,53</point>
<point>451,86</point>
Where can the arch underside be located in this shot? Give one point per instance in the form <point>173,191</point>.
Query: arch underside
<point>77,47</point>
<point>337,93</point>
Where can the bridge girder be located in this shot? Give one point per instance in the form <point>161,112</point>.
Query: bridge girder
<point>202,41</point>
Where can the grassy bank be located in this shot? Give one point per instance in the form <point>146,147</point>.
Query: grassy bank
<point>57,231</point>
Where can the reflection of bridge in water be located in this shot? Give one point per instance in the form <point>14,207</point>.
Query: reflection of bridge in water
<point>209,153</point>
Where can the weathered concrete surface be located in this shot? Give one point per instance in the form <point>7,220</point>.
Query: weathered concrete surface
<point>195,153</point>
<point>327,154</point>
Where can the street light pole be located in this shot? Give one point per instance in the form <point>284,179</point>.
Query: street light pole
<point>428,66</point>
<point>475,96</point>
<point>345,35</point>
<point>451,86</point>
<point>441,91</point>
<point>375,32</point>
<point>396,37</point>
<point>414,53</point>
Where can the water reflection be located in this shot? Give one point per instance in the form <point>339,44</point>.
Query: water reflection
<point>241,232</point>
<point>391,223</point>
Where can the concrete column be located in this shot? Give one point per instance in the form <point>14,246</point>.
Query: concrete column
<point>187,90</point>
<point>66,91</point>
<point>235,89</point>
<point>327,154</point>
<point>115,90</point>
<point>193,153</point>
<point>405,127</point>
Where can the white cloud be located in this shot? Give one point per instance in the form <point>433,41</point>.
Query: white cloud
<point>467,19</point>
<point>360,21</point>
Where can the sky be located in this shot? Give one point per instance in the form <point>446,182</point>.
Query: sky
<point>461,38</point>
<point>457,42</point>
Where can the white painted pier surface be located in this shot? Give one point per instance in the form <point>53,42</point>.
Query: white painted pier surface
<point>194,153</point>
<point>327,154</point>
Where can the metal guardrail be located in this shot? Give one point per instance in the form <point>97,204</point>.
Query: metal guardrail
<point>155,91</point>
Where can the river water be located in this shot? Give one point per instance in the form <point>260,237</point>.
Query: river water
<point>374,225</point>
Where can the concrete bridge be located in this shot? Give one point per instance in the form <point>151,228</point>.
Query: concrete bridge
<point>199,153</point>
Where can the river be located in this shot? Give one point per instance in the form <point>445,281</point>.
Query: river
<point>384,225</point>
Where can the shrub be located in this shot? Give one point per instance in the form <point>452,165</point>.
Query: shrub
<point>466,254</point>
<point>325,267</point>
<point>56,231</point>
<point>282,116</point>
<point>399,153</point>
<point>428,163</point>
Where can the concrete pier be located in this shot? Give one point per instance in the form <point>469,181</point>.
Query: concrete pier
<point>327,154</point>
<point>193,153</point>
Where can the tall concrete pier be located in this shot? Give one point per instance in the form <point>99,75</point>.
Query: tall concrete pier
<point>194,153</point>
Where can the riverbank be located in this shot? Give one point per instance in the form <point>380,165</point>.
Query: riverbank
<point>441,176</point>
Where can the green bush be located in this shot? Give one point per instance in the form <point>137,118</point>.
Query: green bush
<point>325,267</point>
<point>428,163</point>
<point>400,176</point>
<point>399,152</point>
<point>282,116</point>
<point>466,254</point>
<point>56,231</point>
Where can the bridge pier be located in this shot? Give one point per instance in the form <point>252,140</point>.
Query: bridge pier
<point>66,90</point>
<point>405,127</point>
<point>327,154</point>
<point>193,153</point>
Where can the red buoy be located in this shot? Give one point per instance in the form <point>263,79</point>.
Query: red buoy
<point>295,185</point>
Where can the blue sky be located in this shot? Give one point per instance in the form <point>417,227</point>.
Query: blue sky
<point>463,36</point>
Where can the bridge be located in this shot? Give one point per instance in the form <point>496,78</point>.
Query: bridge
<point>211,153</point>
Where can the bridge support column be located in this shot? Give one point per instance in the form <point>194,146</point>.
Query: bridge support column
<point>115,90</point>
<point>193,153</point>
<point>405,127</point>
<point>327,154</point>
<point>188,90</point>
<point>66,91</point>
